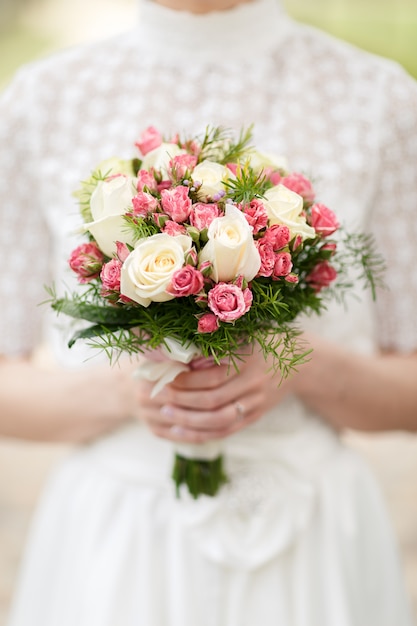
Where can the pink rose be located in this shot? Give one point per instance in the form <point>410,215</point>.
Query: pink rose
<point>86,261</point>
<point>146,179</point>
<point>267,254</point>
<point>186,281</point>
<point>256,215</point>
<point>150,139</point>
<point>323,220</point>
<point>278,236</point>
<point>322,275</point>
<point>301,185</point>
<point>176,203</point>
<point>143,204</point>
<point>274,176</point>
<point>174,229</point>
<point>181,164</point>
<point>208,323</point>
<point>283,264</point>
<point>228,302</point>
<point>110,276</point>
<point>202,215</point>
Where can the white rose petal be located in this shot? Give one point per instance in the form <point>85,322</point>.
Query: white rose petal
<point>212,176</point>
<point>110,200</point>
<point>231,248</point>
<point>285,207</point>
<point>148,269</point>
<point>113,196</point>
<point>109,230</point>
<point>114,165</point>
<point>160,157</point>
<point>261,160</point>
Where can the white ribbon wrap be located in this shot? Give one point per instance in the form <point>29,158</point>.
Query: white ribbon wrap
<point>171,359</point>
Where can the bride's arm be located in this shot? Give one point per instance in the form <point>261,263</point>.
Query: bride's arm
<point>350,390</point>
<point>60,405</point>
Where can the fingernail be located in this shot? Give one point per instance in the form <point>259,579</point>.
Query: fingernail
<point>177,431</point>
<point>167,410</point>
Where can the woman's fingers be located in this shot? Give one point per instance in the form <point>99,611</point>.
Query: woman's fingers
<point>208,378</point>
<point>215,392</point>
<point>208,404</point>
<point>196,426</point>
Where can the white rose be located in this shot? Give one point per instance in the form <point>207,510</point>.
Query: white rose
<point>261,160</point>
<point>212,176</point>
<point>285,207</point>
<point>148,269</point>
<point>160,157</point>
<point>114,165</point>
<point>110,200</point>
<point>230,247</point>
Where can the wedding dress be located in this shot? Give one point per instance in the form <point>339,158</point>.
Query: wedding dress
<point>300,536</point>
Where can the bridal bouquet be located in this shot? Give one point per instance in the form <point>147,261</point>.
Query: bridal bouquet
<point>197,248</point>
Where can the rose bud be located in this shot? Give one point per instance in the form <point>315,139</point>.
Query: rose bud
<point>150,139</point>
<point>86,261</point>
<point>328,250</point>
<point>322,275</point>
<point>146,180</point>
<point>208,323</point>
<point>122,251</point>
<point>267,254</point>
<point>110,277</point>
<point>283,264</point>
<point>292,278</point>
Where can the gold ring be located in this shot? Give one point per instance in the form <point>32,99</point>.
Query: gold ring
<point>240,411</point>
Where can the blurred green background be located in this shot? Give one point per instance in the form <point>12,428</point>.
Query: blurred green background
<point>31,28</point>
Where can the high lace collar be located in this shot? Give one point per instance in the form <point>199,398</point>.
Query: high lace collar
<point>244,32</point>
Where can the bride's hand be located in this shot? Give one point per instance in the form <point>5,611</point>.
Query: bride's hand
<point>212,403</point>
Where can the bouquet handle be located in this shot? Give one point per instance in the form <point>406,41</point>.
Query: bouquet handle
<point>197,466</point>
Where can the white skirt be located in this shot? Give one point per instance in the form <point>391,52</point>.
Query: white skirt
<point>299,537</point>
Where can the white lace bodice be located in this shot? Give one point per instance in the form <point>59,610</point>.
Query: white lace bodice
<point>344,117</point>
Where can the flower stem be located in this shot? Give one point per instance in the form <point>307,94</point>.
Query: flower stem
<point>201,477</point>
